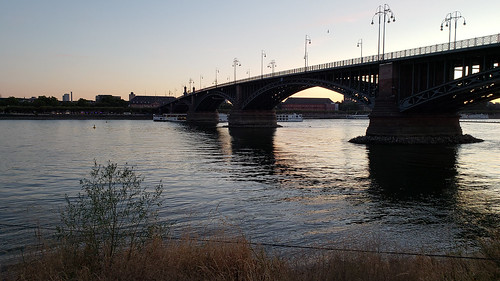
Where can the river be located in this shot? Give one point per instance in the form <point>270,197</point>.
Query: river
<point>301,184</point>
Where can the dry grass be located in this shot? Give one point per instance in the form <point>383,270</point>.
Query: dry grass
<point>190,259</point>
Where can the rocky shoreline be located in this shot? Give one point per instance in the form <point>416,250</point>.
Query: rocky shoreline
<point>461,139</point>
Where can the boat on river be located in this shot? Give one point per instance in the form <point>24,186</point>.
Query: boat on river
<point>474,116</point>
<point>169,117</point>
<point>222,118</point>
<point>293,117</point>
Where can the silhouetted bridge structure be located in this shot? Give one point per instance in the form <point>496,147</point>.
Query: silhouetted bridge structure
<point>415,92</point>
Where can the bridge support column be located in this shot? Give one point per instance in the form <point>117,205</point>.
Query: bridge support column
<point>421,125</point>
<point>207,118</point>
<point>252,119</point>
<point>389,125</point>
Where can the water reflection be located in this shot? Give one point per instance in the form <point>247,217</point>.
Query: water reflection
<point>253,152</point>
<point>406,172</point>
<point>209,139</point>
<point>212,132</point>
<point>259,140</point>
<point>423,184</point>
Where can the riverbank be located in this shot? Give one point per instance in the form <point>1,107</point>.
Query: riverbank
<point>76,117</point>
<point>223,258</point>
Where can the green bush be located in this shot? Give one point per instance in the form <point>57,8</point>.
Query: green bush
<point>112,213</point>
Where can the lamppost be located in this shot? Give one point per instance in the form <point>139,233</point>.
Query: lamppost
<point>216,71</point>
<point>262,56</point>
<point>360,45</point>
<point>191,81</point>
<point>456,15</point>
<point>383,10</point>
<point>201,77</point>
<point>272,65</point>
<point>308,40</point>
<point>236,63</point>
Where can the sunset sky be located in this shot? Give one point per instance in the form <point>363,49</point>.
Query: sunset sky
<point>150,47</point>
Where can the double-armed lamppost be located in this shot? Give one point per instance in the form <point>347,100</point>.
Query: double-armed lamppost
<point>272,65</point>
<point>308,41</point>
<point>360,45</point>
<point>236,63</point>
<point>454,16</point>
<point>383,11</point>
<point>191,81</point>
<point>216,72</point>
<point>262,56</point>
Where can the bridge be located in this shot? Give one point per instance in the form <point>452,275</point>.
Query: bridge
<point>415,92</point>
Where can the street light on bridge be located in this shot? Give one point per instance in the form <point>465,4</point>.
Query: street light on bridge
<point>308,41</point>
<point>272,65</point>
<point>191,81</point>
<point>383,11</point>
<point>360,45</point>
<point>236,63</point>
<point>262,56</point>
<point>215,82</point>
<point>455,16</point>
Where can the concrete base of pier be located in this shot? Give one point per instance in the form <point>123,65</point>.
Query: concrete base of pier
<point>405,125</point>
<point>461,139</point>
<point>210,118</point>
<point>252,119</point>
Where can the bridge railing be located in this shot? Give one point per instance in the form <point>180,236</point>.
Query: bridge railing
<point>467,43</point>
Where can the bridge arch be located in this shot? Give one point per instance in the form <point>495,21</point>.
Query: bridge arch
<point>179,107</point>
<point>211,100</point>
<point>273,93</point>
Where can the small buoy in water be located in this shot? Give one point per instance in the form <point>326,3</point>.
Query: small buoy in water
<point>94,126</point>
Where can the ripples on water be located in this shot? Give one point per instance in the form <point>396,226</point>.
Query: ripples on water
<point>301,184</point>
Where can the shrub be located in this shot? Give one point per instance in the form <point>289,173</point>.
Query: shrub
<point>113,212</point>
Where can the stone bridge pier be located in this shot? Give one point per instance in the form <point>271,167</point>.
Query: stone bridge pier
<point>252,118</point>
<point>203,118</point>
<point>389,125</point>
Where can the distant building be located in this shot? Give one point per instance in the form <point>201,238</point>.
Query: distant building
<point>309,104</point>
<point>98,98</point>
<point>66,97</point>
<point>149,101</point>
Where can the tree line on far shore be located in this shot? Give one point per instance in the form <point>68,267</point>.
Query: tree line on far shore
<point>44,104</point>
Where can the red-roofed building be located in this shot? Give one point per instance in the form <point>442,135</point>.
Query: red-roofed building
<point>148,101</point>
<point>310,104</point>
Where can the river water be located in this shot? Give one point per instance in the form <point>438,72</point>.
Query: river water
<point>301,184</point>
